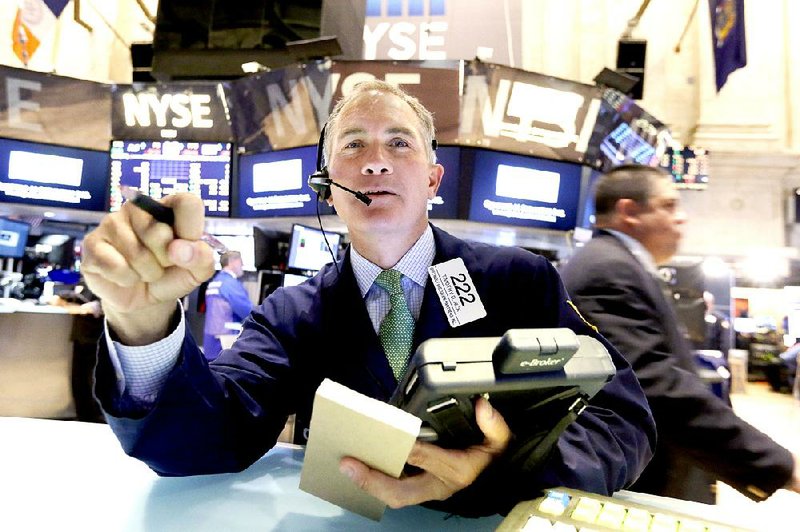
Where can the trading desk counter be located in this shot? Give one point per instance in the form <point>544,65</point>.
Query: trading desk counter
<point>35,360</point>
<point>68,475</point>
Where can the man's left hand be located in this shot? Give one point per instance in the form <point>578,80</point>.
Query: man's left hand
<point>444,471</point>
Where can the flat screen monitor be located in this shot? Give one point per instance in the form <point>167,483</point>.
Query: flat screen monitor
<point>688,167</point>
<point>308,250</point>
<point>57,249</point>
<point>159,168</point>
<point>445,204</point>
<point>275,184</point>
<point>13,237</point>
<point>526,191</point>
<point>625,133</point>
<point>53,176</point>
<point>270,248</point>
<point>268,282</point>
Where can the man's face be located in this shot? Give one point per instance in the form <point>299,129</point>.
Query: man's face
<point>660,222</point>
<point>377,149</point>
<point>236,266</point>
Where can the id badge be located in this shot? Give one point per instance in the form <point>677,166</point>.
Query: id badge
<point>456,292</point>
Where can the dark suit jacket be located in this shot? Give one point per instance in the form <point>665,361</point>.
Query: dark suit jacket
<point>223,416</point>
<point>615,292</point>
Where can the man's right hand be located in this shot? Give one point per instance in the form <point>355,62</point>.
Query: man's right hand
<point>138,267</point>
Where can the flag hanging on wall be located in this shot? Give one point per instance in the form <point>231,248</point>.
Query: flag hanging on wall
<point>35,21</point>
<point>727,33</point>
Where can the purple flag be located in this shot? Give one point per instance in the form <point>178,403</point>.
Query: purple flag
<point>727,32</point>
<point>56,6</point>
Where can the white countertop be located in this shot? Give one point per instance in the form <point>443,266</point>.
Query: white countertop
<point>68,475</point>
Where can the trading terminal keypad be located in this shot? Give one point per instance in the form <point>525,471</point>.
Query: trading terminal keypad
<point>567,510</point>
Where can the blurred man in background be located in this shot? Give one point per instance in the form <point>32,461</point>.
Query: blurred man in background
<point>227,302</point>
<point>615,284</point>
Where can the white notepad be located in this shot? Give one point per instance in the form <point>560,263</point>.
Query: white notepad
<point>347,423</point>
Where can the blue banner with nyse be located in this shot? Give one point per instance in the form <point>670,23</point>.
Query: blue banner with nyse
<point>727,31</point>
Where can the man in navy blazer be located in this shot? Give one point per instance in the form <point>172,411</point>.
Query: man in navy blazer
<point>183,416</point>
<point>614,281</point>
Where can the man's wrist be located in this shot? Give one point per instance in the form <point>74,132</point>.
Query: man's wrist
<point>144,327</point>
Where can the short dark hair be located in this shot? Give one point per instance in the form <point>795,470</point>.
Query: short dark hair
<point>629,181</point>
<point>228,256</point>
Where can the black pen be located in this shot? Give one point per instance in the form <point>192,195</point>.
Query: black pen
<point>164,214</point>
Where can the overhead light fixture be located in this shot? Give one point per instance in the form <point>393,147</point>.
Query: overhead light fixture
<point>253,67</point>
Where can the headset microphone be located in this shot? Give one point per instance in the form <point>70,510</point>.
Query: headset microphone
<point>320,182</point>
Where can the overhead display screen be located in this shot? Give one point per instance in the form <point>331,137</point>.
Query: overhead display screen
<point>275,184</point>
<point>53,176</point>
<point>688,167</point>
<point>525,191</point>
<point>160,168</point>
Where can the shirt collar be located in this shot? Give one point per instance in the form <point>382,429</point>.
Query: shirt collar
<point>414,264</point>
<point>638,250</point>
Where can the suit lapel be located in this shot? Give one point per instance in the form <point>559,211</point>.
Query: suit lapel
<point>350,323</point>
<point>432,322</point>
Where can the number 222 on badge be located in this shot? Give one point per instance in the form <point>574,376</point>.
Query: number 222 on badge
<point>456,292</point>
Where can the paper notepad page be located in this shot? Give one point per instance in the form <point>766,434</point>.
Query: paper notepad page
<point>347,423</point>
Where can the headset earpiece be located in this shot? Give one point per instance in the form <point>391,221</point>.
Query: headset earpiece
<point>320,182</point>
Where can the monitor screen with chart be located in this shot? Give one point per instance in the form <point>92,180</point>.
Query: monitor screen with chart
<point>160,168</point>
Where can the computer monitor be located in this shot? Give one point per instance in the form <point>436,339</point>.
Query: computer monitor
<point>53,176</point>
<point>308,249</point>
<point>57,249</point>
<point>159,168</point>
<point>13,237</point>
<point>268,282</point>
<point>270,248</point>
<point>625,133</point>
<point>688,166</point>
<point>275,184</point>
<point>518,190</point>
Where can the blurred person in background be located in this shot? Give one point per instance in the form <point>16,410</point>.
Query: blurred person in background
<point>614,282</point>
<point>227,302</point>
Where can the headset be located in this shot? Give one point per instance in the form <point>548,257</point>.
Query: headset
<point>320,181</point>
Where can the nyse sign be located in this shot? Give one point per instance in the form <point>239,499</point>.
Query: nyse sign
<point>284,109</point>
<point>289,111</point>
<point>183,111</point>
<point>405,29</point>
<point>527,113</point>
<point>406,40</point>
<point>173,110</point>
<point>41,107</point>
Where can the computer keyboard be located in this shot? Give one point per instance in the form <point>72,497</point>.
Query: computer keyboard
<point>568,510</point>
